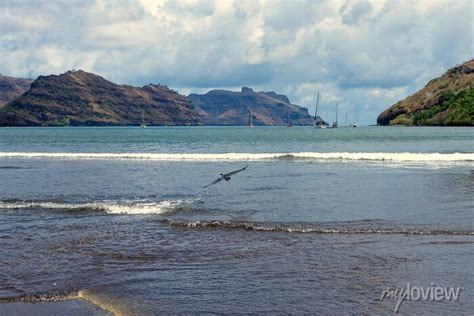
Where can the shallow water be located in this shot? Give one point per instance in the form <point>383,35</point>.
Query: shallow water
<point>312,233</point>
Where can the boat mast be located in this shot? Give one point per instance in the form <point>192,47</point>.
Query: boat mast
<point>356,123</point>
<point>142,124</point>
<point>316,111</point>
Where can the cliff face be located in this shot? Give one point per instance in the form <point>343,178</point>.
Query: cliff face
<point>447,100</point>
<point>81,98</point>
<point>11,88</point>
<point>222,107</point>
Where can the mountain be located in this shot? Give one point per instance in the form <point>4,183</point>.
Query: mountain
<point>447,100</point>
<point>82,98</point>
<point>11,88</point>
<point>222,107</point>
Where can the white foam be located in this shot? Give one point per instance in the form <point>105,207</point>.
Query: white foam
<point>312,230</point>
<point>134,208</point>
<point>349,156</point>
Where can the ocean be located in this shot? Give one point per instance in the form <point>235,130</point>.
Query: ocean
<point>321,221</point>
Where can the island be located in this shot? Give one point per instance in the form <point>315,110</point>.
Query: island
<point>444,101</point>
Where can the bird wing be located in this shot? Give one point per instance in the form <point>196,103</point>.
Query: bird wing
<point>215,181</point>
<point>236,171</point>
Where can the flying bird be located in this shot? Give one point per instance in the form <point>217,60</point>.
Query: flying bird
<point>226,176</point>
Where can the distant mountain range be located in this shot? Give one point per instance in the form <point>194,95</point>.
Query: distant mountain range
<point>223,107</point>
<point>10,88</point>
<point>447,100</point>
<point>79,98</point>
<point>82,98</point>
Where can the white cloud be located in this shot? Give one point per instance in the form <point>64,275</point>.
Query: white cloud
<point>366,52</point>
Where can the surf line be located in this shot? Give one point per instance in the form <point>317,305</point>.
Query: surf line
<point>352,156</point>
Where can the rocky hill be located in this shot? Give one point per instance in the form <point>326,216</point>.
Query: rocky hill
<point>81,98</point>
<point>447,100</point>
<point>11,88</point>
<point>222,107</point>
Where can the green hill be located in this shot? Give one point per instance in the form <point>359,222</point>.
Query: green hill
<point>444,101</point>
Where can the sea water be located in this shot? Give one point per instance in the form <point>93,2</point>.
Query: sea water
<point>322,221</point>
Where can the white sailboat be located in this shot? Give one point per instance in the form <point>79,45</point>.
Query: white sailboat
<point>356,123</point>
<point>142,124</point>
<point>250,119</point>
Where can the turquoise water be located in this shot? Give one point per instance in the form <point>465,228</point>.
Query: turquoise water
<point>238,139</point>
<point>321,221</point>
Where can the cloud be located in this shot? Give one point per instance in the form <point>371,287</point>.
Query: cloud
<point>353,11</point>
<point>366,52</point>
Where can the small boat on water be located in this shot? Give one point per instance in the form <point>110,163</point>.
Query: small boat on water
<point>143,124</point>
<point>318,122</point>
<point>335,125</point>
<point>250,119</point>
<point>356,123</point>
<point>288,121</point>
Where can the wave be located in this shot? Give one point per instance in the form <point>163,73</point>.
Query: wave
<point>112,306</point>
<point>257,227</point>
<point>350,156</point>
<point>109,207</point>
<point>37,298</point>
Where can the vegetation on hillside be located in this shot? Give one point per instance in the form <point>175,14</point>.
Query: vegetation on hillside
<point>446,100</point>
<point>459,110</point>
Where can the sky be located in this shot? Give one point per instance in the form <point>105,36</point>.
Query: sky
<point>363,53</point>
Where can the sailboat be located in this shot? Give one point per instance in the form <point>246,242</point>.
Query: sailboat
<point>334,125</point>
<point>347,124</point>
<point>250,119</point>
<point>318,121</point>
<point>288,121</point>
<point>142,124</point>
<point>356,123</point>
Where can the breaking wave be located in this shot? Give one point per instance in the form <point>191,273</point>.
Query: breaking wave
<point>111,306</point>
<point>37,298</point>
<point>350,156</point>
<point>257,227</point>
<point>132,208</point>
